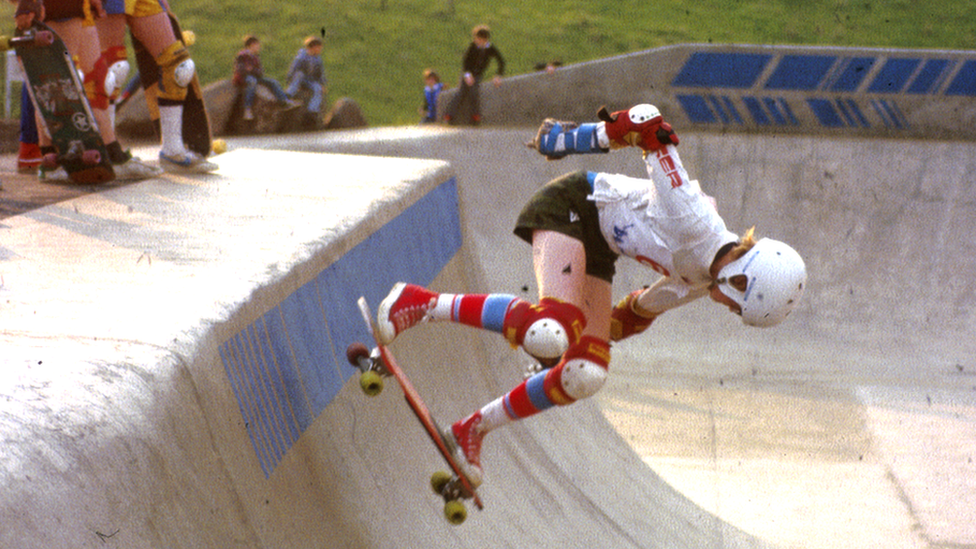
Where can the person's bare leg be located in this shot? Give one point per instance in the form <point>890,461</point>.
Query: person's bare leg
<point>560,270</point>
<point>82,42</point>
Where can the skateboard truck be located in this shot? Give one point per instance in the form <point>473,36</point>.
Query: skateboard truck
<point>33,37</point>
<point>371,368</point>
<point>449,487</point>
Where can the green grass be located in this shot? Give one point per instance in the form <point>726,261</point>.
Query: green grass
<point>376,49</point>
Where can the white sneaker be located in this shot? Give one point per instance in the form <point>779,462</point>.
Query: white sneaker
<point>135,169</point>
<point>188,162</point>
<point>52,175</point>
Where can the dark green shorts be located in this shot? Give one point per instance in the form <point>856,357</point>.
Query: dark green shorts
<point>561,206</point>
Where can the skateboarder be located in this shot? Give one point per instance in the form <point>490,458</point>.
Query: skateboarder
<point>578,225</point>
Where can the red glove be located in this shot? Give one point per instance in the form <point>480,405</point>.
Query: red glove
<point>625,321</point>
<point>639,126</point>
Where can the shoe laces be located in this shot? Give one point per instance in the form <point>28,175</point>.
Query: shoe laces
<point>470,439</point>
<point>411,315</point>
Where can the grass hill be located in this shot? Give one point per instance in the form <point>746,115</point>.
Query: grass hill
<point>375,50</point>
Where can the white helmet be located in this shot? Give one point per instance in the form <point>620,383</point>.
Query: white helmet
<point>775,275</point>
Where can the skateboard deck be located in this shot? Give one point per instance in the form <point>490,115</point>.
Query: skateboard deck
<point>196,121</point>
<point>388,365</point>
<point>58,96</point>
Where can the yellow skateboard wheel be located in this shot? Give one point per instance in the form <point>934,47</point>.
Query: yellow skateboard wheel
<point>371,383</point>
<point>219,146</point>
<point>439,480</point>
<point>455,512</point>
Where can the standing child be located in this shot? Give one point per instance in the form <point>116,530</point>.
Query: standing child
<point>476,59</point>
<point>308,71</point>
<point>432,90</point>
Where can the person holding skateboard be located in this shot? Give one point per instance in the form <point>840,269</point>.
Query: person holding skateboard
<point>578,225</point>
<point>150,24</point>
<point>476,60</point>
<point>73,21</point>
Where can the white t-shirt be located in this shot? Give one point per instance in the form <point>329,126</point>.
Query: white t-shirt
<point>665,223</point>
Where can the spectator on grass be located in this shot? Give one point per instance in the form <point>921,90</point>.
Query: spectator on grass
<point>248,74</point>
<point>432,90</point>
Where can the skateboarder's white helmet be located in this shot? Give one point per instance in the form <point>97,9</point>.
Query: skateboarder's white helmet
<point>774,278</point>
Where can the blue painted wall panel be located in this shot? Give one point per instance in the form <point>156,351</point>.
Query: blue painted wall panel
<point>893,76</point>
<point>855,70</point>
<point>800,72</point>
<point>721,70</point>
<point>929,77</point>
<point>964,82</point>
<point>696,109</point>
<point>286,366</point>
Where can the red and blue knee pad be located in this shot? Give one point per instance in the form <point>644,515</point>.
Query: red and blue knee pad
<point>580,374</point>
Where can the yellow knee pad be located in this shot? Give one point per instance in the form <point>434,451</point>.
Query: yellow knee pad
<point>176,72</point>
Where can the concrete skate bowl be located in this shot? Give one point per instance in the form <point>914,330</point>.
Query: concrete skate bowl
<point>173,366</point>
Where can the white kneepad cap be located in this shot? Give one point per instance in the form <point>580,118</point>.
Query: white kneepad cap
<point>118,73</point>
<point>582,378</point>
<point>545,338</point>
<point>110,83</point>
<point>184,73</point>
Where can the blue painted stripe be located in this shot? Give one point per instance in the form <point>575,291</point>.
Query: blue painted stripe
<point>845,113</point>
<point>233,368</point>
<point>881,112</point>
<point>720,109</point>
<point>889,113</point>
<point>304,326</point>
<point>800,72</point>
<point>756,111</point>
<point>773,108</point>
<point>927,80</point>
<point>274,385</point>
<point>493,314</point>
<point>294,400</point>
<point>825,112</point>
<point>260,384</point>
<point>788,111</point>
<point>696,109</point>
<point>854,72</point>
<point>535,387</point>
<point>899,115</point>
<point>857,113</point>
<point>964,82</point>
<point>893,76</point>
<point>721,70</point>
<point>264,435</point>
<point>730,106</point>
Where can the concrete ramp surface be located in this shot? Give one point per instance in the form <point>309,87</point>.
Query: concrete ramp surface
<point>173,370</point>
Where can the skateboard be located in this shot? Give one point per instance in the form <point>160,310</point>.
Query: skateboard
<point>56,90</point>
<point>196,122</point>
<point>379,363</point>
